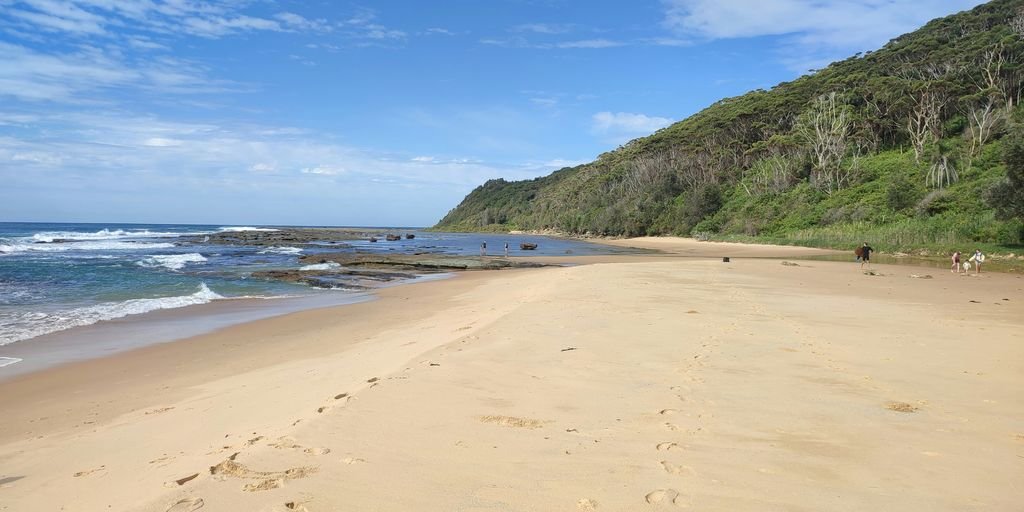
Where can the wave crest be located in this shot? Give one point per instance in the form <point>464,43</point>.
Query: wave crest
<point>171,261</point>
<point>32,324</point>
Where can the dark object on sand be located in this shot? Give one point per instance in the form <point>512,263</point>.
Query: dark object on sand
<point>373,239</point>
<point>409,236</point>
<point>393,238</point>
<point>527,246</point>
<point>725,259</point>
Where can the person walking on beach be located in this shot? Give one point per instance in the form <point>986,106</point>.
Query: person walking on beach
<point>956,263</point>
<point>865,256</point>
<point>483,249</point>
<point>977,258</point>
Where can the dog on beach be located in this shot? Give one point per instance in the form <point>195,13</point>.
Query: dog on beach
<point>966,266</point>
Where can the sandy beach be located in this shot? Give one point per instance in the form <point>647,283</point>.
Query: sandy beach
<point>621,383</point>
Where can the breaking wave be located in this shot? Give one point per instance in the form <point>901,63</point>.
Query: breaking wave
<point>27,325</point>
<point>171,261</point>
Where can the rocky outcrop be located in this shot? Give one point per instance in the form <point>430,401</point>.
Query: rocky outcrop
<point>293,237</point>
<point>416,262</point>
<point>341,278</point>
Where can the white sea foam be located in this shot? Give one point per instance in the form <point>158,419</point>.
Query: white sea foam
<point>104,234</point>
<point>31,324</point>
<point>281,250</point>
<point>171,261</point>
<point>98,245</point>
<point>235,229</point>
<point>321,266</point>
<point>6,361</point>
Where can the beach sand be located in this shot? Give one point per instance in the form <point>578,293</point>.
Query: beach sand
<point>648,382</point>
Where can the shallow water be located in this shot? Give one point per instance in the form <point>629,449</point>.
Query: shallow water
<point>61,278</point>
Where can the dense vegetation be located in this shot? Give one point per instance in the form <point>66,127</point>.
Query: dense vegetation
<point>917,145</point>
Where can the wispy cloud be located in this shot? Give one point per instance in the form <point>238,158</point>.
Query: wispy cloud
<point>208,19</point>
<point>544,28</point>
<point>123,144</point>
<point>620,127</point>
<point>32,75</point>
<point>364,25</point>
<point>812,30</point>
<point>590,43</point>
<point>433,31</point>
<point>522,42</point>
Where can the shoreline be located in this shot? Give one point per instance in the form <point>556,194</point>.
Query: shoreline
<point>604,374</point>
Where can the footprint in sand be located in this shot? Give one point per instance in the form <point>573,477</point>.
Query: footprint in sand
<point>89,471</point>
<point>586,504</point>
<point>296,506</point>
<point>265,485</point>
<point>187,505</point>
<point>353,460</point>
<point>512,421</point>
<point>667,412</point>
<point>287,443</point>
<point>676,469</point>
<point>665,447</point>
<point>268,479</point>
<point>665,497</point>
<point>672,427</point>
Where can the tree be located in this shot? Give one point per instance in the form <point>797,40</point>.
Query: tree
<point>825,128</point>
<point>925,119</point>
<point>1007,197</point>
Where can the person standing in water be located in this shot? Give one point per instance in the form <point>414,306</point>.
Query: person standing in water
<point>506,249</point>
<point>956,263</point>
<point>865,256</point>
<point>483,249</point>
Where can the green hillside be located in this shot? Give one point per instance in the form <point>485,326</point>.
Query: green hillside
<point>905,146</point>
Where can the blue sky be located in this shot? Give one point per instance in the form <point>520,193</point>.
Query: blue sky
<point>371,113</point>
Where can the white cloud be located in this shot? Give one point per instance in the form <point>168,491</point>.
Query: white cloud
<point>161,142</point>
<point>814,30</point>
<point>262,167</point>
<point>423,159</point>
<point>543,28</point>
<point>545,102</point>
<point>590,43</point>
<point>439,31</point>
<point>31,75</point>
<point>628,123</point>
<point>521,42</point>
<point>209,19</point>
<point>325,170</point>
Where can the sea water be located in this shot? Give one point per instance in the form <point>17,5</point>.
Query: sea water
<point>58,277</point>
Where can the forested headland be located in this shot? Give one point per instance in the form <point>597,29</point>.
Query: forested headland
<point>918,146</point>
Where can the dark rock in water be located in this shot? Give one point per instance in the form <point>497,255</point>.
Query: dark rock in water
<point>418,262</point>
<point>373,239</point>
<point>409,236</point>
<point>394,238</point>
<point>281,237</point>
<point>527,246</point>
<point>343,278</point>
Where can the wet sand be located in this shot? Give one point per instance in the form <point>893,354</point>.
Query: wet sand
<point>642,382</point>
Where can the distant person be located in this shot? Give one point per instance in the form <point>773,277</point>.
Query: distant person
<point>483,249</point>
<point>506,249</point>
<point>956,263</point>
<point>977,258</point>
<point>865,255</point>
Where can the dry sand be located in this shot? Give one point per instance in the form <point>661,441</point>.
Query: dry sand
<point>632,383</point>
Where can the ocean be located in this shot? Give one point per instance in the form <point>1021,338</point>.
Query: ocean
<point>55,278</point>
